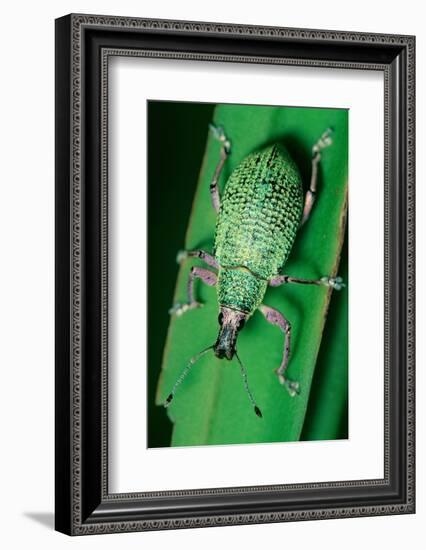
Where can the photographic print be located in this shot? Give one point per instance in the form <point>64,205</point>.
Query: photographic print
<point>247,274</point>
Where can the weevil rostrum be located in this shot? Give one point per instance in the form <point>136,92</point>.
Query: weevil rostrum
<point>258,216</point>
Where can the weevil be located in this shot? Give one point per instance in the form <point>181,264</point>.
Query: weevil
<point>258,216</point>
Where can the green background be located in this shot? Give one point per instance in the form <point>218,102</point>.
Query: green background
<point>211,406</point>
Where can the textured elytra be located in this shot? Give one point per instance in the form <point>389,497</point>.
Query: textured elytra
<point>260,213</point>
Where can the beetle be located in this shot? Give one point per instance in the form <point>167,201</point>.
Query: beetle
<point>258,217</point>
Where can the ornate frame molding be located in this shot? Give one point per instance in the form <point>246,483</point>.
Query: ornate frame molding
<point>85,507</point>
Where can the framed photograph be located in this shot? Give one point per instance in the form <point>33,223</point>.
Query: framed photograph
<point>234,274</point>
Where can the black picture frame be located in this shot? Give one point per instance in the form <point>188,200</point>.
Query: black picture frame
<point>83,45</point>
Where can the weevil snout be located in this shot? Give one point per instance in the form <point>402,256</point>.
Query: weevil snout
<point>231,321</point>
<point>221,353</point>
<point>225,343</point>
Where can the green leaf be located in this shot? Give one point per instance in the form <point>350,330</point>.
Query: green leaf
<point>327,414</point>
<point>211,406</point>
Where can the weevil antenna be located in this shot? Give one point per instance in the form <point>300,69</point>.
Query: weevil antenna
<point>184,374</point>
<point>246,386</point>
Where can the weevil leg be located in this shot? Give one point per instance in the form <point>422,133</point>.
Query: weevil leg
<point>219,134</point>
<point>322,143</point>
<point>201,254</point>
<point>274,317</point>
<point>334,282</point>
<point>207,277</point>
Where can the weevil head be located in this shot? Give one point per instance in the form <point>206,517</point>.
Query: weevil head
<point>231,321</point>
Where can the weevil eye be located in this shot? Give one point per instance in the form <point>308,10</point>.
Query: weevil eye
<point>220,318</point>
<point>241,324</point>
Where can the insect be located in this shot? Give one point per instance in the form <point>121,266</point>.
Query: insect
<point>258,217</point>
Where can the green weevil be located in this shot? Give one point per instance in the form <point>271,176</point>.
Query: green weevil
<point>261,210</point>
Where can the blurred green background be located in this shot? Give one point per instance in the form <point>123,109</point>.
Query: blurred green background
<point>211,407</point>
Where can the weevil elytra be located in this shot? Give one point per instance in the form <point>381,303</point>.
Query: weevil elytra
<point>258,217</point>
